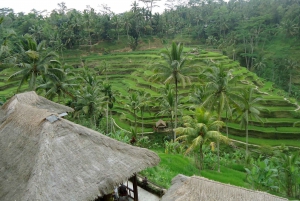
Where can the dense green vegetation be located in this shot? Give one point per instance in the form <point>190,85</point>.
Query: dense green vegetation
<point>263,35</point>
<point>121,74</point>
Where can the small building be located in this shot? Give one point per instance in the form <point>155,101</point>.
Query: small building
<point>199,188</point>
<point>160,125</point>
<point>46,157</point>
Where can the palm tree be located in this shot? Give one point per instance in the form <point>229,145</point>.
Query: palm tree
<point>110,99</point>
<point>35,62</point>
<point>57,85</point>
<point>6,46</point>
<point>89,103</point>
<point>127,22</point>
<point>249,109</point>
<point>134,105</point>
<point>88,99</point>
<point>198,129</point>
<point>197,96</point>
<point>145,101</point>
<point>220,95</point>
<point>291,66</point>
<point>175,70</point>
<point>167,104</point>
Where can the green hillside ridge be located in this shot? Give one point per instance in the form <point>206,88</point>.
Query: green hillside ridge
<point>129,71</point>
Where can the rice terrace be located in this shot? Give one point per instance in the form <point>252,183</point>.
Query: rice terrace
<point>188,104</point>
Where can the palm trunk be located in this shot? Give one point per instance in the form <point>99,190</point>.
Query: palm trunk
<point>106,118</point>
<point>246,127</point>
<point>62,55</point>
<point>111,122</point>
<point>135,129</point>
<point>172,126</point>
<point>176,97</point>
<point>290,84</point>
<point>142,123</point>
<point>226,124</point>
<point>218,145</point>
<point>201,157</point>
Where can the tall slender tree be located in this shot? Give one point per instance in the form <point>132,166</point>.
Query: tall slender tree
<point>145,102</point>
<point>134,105</point>
<point>175,71</point>
<point>167,104</point>
<point>110,100</point>
<point>220,96</point>
<point>248,106</point>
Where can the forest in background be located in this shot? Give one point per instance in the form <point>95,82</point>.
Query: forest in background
<point>263,35</point>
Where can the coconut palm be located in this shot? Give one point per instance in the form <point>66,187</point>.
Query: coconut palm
<point>291,66</point>
<point>175,70</point>
<point>35,62</point>
<point>167,104</point>
<point>145,102</point>
<point>249,109</point>
<point>110,99</point>
<point>6,46</point>
<point>58,85</point>
<point>197,96</point>
<point>133,103</point>
<point>198,129</point>
<point>220,94</point>
<point>89,101</point>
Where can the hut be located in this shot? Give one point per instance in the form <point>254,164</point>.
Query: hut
<point>46,157</point>
<point>198,188</point>
<point>160,125</point>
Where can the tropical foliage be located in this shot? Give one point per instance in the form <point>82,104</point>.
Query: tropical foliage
<point>198,129</point>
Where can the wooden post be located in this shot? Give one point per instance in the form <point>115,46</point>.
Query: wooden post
<point>135,188</point>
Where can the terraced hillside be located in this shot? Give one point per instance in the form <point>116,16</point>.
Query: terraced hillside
<point>130,71</point>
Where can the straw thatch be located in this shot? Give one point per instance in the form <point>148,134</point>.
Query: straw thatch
<point>161,124</point>
<point>41,160</point>
<point>198,188</point>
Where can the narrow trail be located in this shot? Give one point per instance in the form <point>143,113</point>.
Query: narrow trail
<point>296,104</point>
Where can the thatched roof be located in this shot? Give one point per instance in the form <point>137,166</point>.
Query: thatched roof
<point>41,160</point>
<point>198,188</point>
<point>161,123</point>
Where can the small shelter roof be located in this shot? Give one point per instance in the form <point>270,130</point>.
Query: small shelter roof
<point>59,160</point>
<point>198,188</point>
<point>161,123</point>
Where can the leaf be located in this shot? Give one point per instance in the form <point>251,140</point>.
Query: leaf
<point>33,54</point>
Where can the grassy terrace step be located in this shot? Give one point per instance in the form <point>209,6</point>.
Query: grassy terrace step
<point>281,120</point>
<point>130,71</point>
<point>267,133</point>
<point>269,142</point>
<point>267,101</point>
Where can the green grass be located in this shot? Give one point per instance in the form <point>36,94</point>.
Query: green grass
<point>170,166</point>
<point>174,164</point>
<point>227,176</point>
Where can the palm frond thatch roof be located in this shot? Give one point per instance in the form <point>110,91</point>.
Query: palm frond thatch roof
<point>41,160</point>
<point>198,188</point>
<point>160,123</point>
